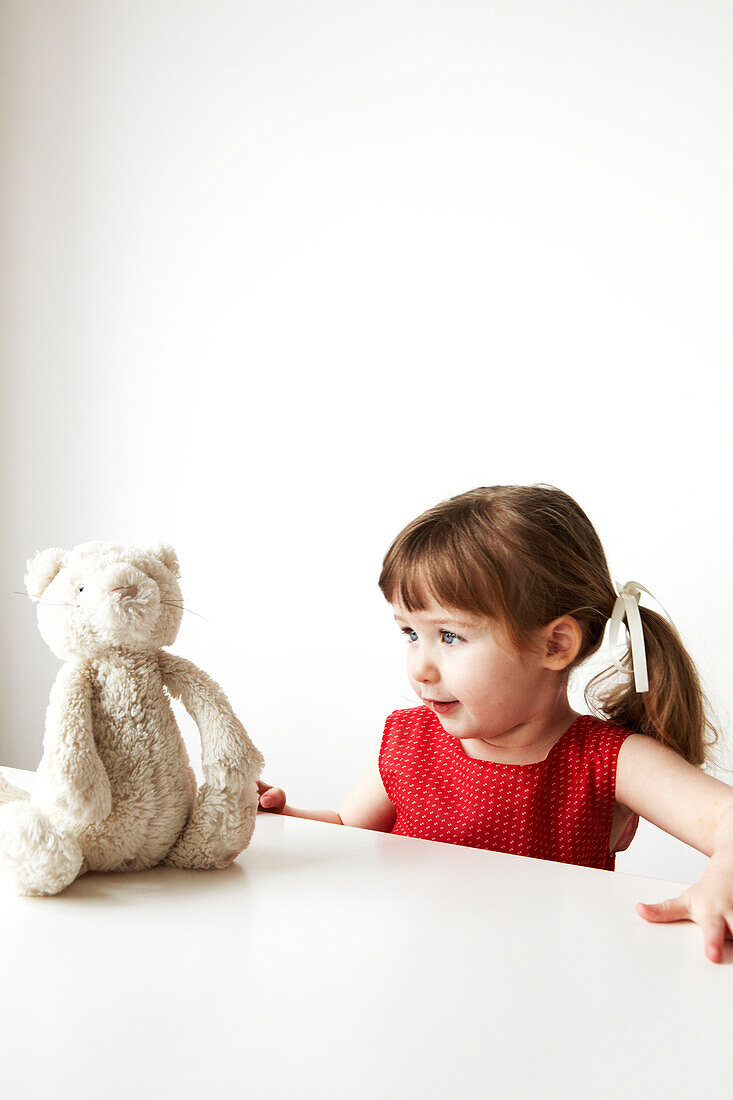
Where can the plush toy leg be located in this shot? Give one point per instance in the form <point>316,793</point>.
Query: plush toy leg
<point>45,859</point>
<point>219,828</point>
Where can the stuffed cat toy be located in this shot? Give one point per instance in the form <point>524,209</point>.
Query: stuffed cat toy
<point>114,789</point>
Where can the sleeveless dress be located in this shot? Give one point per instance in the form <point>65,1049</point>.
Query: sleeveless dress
<point>560,808</point>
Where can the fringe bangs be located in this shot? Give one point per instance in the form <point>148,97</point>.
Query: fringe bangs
<point>437,564</point>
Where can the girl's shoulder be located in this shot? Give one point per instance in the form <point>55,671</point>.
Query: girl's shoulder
<point>590,735</point>
<point>593,726</point>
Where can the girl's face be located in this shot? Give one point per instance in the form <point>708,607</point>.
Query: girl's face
<point>464,668</point>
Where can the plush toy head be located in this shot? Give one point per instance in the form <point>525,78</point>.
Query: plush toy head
<point>99,596</point>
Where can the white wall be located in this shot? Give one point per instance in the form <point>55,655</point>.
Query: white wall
<point>282,275</point>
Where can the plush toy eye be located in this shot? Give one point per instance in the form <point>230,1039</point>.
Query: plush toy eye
<point>82,588</point>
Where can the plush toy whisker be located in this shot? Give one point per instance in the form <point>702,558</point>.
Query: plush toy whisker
<point>43,603</point>
<point>46,603</point>
<point>188,609</point>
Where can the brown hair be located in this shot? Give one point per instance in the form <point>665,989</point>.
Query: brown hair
<point>526,555</point>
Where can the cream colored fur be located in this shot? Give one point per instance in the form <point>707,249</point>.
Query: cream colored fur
<point>115,790</point>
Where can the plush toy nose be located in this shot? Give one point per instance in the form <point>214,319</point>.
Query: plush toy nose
<point>128,592</point>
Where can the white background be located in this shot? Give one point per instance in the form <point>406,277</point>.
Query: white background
<point>280,276</point>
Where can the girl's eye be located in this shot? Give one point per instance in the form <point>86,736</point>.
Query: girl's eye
<point>449,637</point>
<point>410,634</point>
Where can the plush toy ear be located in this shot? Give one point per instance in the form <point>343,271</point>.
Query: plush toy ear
<point>41,569</point>
<point>167,556</point>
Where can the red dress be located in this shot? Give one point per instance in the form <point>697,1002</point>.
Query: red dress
<point>560,808</point>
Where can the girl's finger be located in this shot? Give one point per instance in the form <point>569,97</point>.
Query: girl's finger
<point>272,799</point>
<point>261,787</point>
<point>714,931</point>
<point>662,911</point>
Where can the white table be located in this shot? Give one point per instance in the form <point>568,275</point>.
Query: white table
<point>332,962</point>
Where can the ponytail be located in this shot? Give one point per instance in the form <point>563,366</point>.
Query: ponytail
<point>675,710</point>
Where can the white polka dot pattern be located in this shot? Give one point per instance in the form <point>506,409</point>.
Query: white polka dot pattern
<point>560,808</point>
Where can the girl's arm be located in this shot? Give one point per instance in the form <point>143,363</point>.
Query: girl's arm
<point>656,783</point>
<point>367,807</point>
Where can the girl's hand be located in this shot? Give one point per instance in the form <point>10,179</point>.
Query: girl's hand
<point>272,799</point>
<point>708,903</point>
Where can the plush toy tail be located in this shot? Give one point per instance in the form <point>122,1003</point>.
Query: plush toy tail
<point>45,859</point>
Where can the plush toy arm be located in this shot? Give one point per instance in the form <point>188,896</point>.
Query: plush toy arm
<point>71,779</point>
<point>229,758</point>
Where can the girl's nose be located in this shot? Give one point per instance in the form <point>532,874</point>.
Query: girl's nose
<point>424,669</point>
<point>125,592</point>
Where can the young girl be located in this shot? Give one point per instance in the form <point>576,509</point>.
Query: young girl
<point>501,592</point>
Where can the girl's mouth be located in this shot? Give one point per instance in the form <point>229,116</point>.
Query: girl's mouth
<point>442,708</point>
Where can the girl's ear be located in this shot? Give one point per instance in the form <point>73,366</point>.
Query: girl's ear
<point>167,556</point>
<point>41,569</point>
<point>563,639</point>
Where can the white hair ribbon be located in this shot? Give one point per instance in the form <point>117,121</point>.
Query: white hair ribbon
<point>627,605</point>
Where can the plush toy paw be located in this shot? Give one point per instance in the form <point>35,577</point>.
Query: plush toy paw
<point>45,860</point>
<point>220,827</point>
<point>9,793</point>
